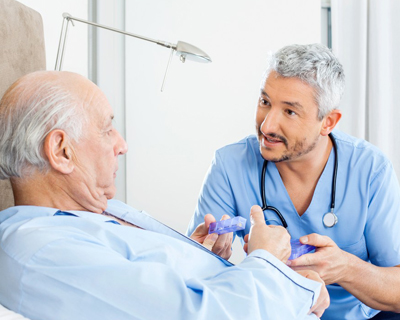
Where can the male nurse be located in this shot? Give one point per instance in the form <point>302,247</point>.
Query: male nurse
<point>333,191</point>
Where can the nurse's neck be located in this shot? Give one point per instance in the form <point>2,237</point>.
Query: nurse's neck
<point>300,176</point>
<point>309,165</point>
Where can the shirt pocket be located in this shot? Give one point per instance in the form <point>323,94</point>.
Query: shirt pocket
<point>359,249</point>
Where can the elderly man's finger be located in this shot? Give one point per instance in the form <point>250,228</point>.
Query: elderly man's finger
<point>210,240</point>
<point>225,237</point>
<point>208,218</point>
<point>256,215</point>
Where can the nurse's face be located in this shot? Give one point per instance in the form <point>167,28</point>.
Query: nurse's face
<point>287,119</point>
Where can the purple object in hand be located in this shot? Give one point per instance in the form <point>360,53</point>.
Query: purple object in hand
<point>229,225</point>
<point>298,249</point>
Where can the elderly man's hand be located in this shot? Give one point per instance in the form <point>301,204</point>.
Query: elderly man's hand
<point>323,300</point>
<point>219,244</point>
<point>274,239</point>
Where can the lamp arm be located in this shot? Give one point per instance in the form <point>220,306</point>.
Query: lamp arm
<point>161,43</point>
<point>184,50</point>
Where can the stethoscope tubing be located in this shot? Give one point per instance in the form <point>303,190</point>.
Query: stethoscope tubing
<point>265,206</point>
<point>264,200</point>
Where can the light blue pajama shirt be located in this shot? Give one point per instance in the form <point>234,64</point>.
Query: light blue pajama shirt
<point>79,265</point>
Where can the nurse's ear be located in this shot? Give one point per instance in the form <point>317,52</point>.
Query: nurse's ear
<point>58,150</point>
<point>330,121</point>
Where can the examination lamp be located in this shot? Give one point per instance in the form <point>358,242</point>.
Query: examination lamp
<point>184,50</point>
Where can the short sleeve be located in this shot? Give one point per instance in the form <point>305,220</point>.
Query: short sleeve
<point>383,221</point>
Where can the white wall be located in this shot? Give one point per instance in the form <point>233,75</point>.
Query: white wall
<point>172,135</point>
<point>109,67</point>
<point>76,54</point>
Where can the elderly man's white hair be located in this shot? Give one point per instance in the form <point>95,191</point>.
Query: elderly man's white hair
<point>32,107</point>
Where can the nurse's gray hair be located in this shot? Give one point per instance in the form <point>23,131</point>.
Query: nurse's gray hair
<point>316,65</point>
<point>32,107</point>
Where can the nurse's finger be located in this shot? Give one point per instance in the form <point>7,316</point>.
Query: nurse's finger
<point>317,240</point>
<point>256,215</point>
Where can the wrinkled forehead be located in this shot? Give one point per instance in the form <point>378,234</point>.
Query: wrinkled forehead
<point>96,107</point>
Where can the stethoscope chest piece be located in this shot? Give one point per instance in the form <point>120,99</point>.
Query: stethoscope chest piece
<point>329,219</point>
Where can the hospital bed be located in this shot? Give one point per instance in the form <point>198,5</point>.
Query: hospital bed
<point>22,51</point>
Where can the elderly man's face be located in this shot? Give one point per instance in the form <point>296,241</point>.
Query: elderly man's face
<point>97,152</point>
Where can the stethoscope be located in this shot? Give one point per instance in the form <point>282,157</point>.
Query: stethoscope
<point>329,219</point>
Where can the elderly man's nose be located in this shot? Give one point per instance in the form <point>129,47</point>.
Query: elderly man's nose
<point>121,146</point>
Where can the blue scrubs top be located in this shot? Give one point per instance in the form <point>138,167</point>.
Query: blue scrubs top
<point>81,265</point>
<point>367,204</point>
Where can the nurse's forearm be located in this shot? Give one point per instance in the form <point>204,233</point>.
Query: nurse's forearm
<point>377,287</point>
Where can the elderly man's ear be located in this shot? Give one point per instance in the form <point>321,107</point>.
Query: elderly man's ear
<point>58,149</point>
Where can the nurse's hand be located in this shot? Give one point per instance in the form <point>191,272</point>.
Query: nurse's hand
<point>219,244</point>
<point>329,261</point>
<point>274,239</point>
<point>323,299</point>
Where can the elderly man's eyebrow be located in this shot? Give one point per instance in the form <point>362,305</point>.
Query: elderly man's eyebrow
<point>108,121</point>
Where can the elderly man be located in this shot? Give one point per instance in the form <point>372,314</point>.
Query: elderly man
<point>69,252</point>
<point>333,191</point>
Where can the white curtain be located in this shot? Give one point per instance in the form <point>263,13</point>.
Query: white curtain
<point>366,39</point>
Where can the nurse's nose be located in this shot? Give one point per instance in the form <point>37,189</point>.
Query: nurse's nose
<point>271,122</point>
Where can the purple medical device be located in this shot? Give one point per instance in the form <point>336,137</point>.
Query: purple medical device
<point>229,225</point>
<point>298,249</point>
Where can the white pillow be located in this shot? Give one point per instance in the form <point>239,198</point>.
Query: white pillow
<point>6,314</point>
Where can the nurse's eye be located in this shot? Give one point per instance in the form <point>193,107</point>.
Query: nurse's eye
<point>290,112</point>
<point>264,103</point>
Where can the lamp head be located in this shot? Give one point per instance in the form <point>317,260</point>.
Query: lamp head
<point>187,51</point>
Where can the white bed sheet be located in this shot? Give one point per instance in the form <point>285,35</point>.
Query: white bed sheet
<point>6,314</point>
